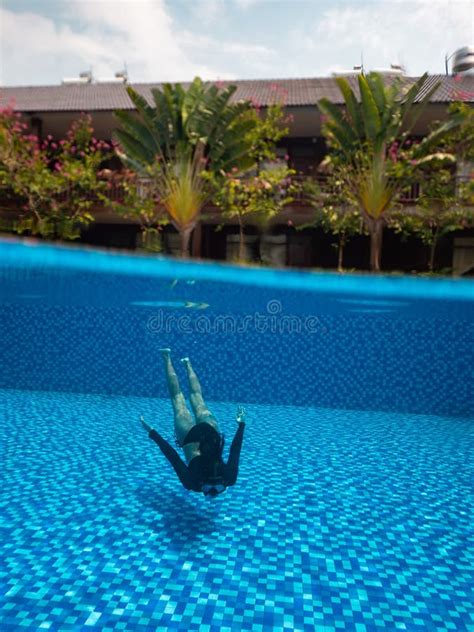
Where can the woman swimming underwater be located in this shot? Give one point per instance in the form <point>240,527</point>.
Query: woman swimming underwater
<point>200,438</point>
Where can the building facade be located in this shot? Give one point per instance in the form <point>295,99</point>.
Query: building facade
<point>50,110</point>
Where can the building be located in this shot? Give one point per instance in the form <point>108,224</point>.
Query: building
<point>51,110</point>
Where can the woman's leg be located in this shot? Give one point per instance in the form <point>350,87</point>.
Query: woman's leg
<point>200,409</point>
<point>183,421</point>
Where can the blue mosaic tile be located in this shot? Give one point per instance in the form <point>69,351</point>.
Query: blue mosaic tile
<point>85,331</point>
<point>354,504</point>
<point>340,520</point>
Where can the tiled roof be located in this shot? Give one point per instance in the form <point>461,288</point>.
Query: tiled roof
<point>292,92</point>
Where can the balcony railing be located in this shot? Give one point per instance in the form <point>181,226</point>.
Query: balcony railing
<point>324,188</point>
<point>115,191</point>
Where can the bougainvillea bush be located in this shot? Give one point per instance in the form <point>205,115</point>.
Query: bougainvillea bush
<point>54,183</point>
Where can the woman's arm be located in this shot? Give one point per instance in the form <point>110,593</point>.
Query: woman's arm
<point>232,467</point>
<point>170,453</point>
<point>173,457</point>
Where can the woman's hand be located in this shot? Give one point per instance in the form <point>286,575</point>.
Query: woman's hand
<point>145,425</point>
<point>240,417</point>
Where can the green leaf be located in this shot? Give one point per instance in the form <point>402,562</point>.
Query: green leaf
<point>352,105</point>
<point>371,116</point>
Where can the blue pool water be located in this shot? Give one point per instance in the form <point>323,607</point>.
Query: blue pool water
<point>353,509</point>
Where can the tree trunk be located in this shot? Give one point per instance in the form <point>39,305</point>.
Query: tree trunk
<point>196,242</point>
<point>340,253</point>
<point>258,250</point>
<point>433,245</point>
<point>376,233</point>
<point>241,240</point>
<point>185,237</point>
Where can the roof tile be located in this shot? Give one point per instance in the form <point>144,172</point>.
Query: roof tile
<point>291,92</point>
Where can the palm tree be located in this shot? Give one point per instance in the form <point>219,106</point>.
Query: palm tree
<point>186,132</point>
<point>184,194</point>
<point>362,135</point>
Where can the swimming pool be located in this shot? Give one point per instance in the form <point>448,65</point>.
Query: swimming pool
<point>353,508</point>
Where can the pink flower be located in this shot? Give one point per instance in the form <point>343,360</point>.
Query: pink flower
<point>290,222</point>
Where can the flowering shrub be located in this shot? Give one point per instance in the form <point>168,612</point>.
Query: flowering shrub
<point>334,212</point>
<point>57,182</point>
<point>440,209</point>
<point>263,191</point>
<point>261,196</point>
<point>267,131</point>
<point>139,200</point>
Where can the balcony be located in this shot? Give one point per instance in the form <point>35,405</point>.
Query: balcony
<point>408,196</point>
<point>115,193</point>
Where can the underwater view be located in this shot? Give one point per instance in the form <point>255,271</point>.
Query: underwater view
<point>353,504</point>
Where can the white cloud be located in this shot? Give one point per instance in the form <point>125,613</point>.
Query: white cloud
<point>245,4</point>
<point>208,11</point>
<point>202,42</point>
<point>32,43</point>
<point>416,33</point>
<point>104,35</point>
<point>144,35</point>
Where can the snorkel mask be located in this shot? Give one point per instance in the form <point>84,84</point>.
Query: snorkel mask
<point>213,489</point>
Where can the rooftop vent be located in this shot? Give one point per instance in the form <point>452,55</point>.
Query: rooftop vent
<point>119,77</point>
<point>464,60</point>
<point>395,69</point>
<point>84,77</point>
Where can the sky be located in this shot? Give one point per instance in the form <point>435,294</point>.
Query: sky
<point>43,41</point>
